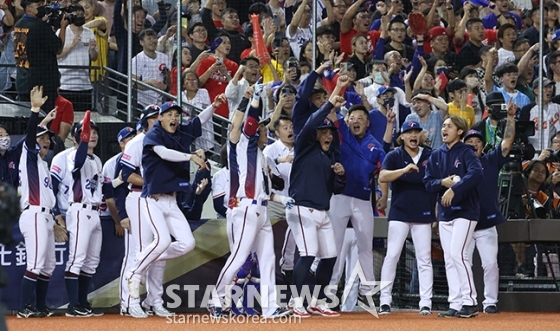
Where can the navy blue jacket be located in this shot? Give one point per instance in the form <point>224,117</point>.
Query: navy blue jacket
<point>303,108</point>
<point>361,159</point>
<point>460,160</point>
<point>162,176</point>
<point>489,191</point>
<point>9,164</point>
<point>120,192</point>
<point>410,202</point>
<point>312,180</point>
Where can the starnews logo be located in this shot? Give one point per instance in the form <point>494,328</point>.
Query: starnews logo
<point>235,296</point>
<point>230,319</point>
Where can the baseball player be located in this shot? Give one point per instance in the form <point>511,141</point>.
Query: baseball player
<point>361,159</point>
<point>82,219</point>
<point>220,186</point>
<point>248,216</point>
<point>314,178</point>
<point>453,172</point>
<point>485,236</point>
<point>36,222</point>
<point>412,210</point>
<point>165,169</point>
<point>139,234</point>
<point>282,154</point>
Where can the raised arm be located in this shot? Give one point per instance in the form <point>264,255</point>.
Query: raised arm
<point>509,133</point>
<point>162,19</point>
<point>237,121</point>
<point>206,115</point>
<point>347,23</point>
<point>37,100</point>
<point>298,15</point>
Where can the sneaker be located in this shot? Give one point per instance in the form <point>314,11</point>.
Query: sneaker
<point>321,308</point>
<point>28,312</point>
<point>157,310</point>
<point>491,310</point>
<point>134,288</point>
<point>78,311</point>
<point>468,311</point>
<point>216,312</point>
<point>384,310</point>
<point>280,312</point>
<point>252,311</point>
<point>49,312</point>
<point>93,312</point>
<point>449,313</point>
<point>137,312</point>
<point>425,311</point>
<point>124,311</point>
<point>287,276</point>
<point>291,303</point>
<point>296,305</point>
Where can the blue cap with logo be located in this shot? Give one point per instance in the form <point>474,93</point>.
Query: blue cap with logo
<point>410,125</point>
<point>384,89</point>
<point>327,124</point>
<point>473,133</point>
<point>41,129</point>
<point>125,133</point>
<point>170,105</point>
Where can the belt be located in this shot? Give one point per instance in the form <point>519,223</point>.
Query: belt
<point>136,189</point>
<point>86,206</point>
<point>263,203</point>
<point>38,209</point>
<point>158,196</point>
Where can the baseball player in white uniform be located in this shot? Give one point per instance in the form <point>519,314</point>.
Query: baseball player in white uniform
<point>220,186</point>
<point>281,152</point>
<point>82,219</point>
<point>142,236</point>
<point>36,222</point>
<point>249,196</point>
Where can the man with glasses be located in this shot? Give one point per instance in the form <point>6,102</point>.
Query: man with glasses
<point>335,15</point>
<point>439,42</point>
<point>198,34</point>
<point>397,34</point>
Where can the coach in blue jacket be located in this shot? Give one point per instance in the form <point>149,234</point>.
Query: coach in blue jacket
<point>454,172</point>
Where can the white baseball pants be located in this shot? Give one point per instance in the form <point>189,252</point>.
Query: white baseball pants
<point>37,228</point>
<point>486,241</point>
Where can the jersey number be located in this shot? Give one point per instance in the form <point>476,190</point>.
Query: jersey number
<point>47,183</point>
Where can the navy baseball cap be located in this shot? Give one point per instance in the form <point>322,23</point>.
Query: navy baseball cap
<point>384,89</point>
<point>473,133</point>
<point>327,124</point>
<point>556,35</point>
<point>170,105</point>
<point>125,133</point>
<point>41,129</point>
<point>410,125</point>
<point>139,125</point>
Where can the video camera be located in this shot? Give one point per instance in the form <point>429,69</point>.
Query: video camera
<point>523,130</point>
<point>498,111</point>
<point>55,13</point>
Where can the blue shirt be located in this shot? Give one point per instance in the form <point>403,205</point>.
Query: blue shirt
<point>489,191</point>
<point>520,99</point>
<point>312,180</point>
<point>378,124</point>
<point>162,176</point>
<point>460,160</point>
<point>361,159</point>
<point>410,201</point>
<point>303,108</point>
<point>432,125</point>
<point>120,192</point>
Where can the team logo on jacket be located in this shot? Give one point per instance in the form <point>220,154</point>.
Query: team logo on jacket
<point>12,165</point>
<point>457,163</point>
<point>371,147</point>
<point>425,163</point>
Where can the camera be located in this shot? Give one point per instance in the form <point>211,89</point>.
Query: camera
<point>286,90</point>
<point>523,130</point>
<point>292,64</point>
<point>55,13</point>
<point>499,111</point>
<point>554,156</point>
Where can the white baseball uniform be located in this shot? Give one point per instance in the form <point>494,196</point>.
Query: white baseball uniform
<point>147,68</point>
<point>486,242</point>
<point>220,186</point>
<point>61,166</point>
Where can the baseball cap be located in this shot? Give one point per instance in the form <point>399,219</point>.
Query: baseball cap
<point>265,121</point>
<point>149,111</point>
<point>556,35</point>
<point>410,125</point>
<point>545,82</point>
<point>327,124</point>
<point>125,133</point>
<point>170,105</point>
<point>473,133</point>
<point>494,98</point>
<point>41,129</point>
<point>384,89</point>
<point>139,125</point>
<point>437,31</point>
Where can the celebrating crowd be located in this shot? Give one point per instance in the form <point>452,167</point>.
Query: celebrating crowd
<point>403,99</point>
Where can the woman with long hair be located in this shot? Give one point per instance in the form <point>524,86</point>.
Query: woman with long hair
<point>193,95</point>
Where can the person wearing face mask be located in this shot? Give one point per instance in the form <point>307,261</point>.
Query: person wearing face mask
<point>469,76</point>
<point>80,48</point>
<point>9,158</point>
<point>37,48</point>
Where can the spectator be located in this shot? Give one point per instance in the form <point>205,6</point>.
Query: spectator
<point>186,64</point>
<point>169,42</point>
<point>306,52</point>
<point>36,48</point>
<point>198,34</point>
<point>247,75</point>
<point>9,158</point>
<point>457,90</point>
<point>356,20</point>
<point>532,33</point>
<point>549,124</point>
<point>230,26</point>
<point>98,25</point>
<point>378,116</point>
<point>469,53</point>
<point>299,30</point>
<point>63,121</point>
<point>429,119</point>
<point>80,48</point>
<point>335,15</point>
<point>508,74</point>
<point>8,73</point>
<point>506,35</point>
<point>359,55</point>
<point>501,8</point>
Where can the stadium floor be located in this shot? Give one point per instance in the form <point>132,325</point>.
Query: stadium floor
<point>348,322</point>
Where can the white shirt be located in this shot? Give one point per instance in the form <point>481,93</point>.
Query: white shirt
<point>86,188</point>
<point>202,101</point>
<point>108,176</point>
<point>274,151</point>
<point>76,79</point>
<point>35,180</point>
<point>220,186</point>
<point>505,56</point>
<point>550,124</point>
<point>132,155</point>
<point>299,38</point>
<point>147,68</point>
<point>61,168</point>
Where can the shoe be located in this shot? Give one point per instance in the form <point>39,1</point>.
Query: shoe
<point>78,311</point>
<point>425,311</point>
<point>137,312</point>
<point>384,310</point>
<point>449,313</point>
<point>252,311</point>
<point>156,310</point>
<point>134,288</point>
<point>49,312</point>
<point>287,276</point>
<point>491,310</point>
<point>280,312</point>
<point>468,311</point>
<point>291,303</point>
<point>93,312</point>
<point>296,305</point>
<point>216,312</point>
<point>124,311</point>
<point>321,308</point>
<point>29,312</point>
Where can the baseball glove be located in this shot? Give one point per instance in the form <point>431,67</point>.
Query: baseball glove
<point>60,234</point>
<point>418,23</point>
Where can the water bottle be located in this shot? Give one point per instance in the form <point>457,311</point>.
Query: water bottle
<point>510,286</point>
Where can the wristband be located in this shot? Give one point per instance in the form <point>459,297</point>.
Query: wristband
<point>117,182</point>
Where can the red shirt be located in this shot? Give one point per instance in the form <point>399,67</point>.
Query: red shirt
<point>173,87</point>
<point>346,41</point>
<point>64,113</point>
<point>216,83</point>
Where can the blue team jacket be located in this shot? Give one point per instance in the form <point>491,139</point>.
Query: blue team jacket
<point>410,202</point>
<point>489,191</point>
<point>302,107</point>
<point>312,180</point>
<point>460,160</point>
